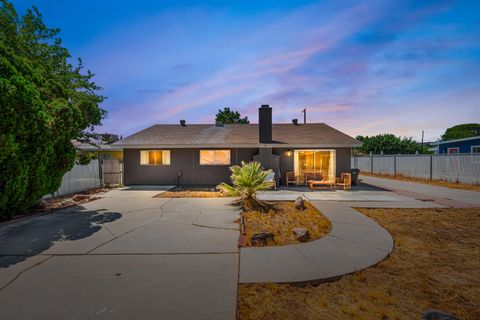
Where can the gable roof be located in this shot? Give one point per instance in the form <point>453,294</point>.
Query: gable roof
<point>317,135</point>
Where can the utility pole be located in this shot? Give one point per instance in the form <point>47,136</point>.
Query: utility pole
<point>304,115</point>
<point>422,138</point>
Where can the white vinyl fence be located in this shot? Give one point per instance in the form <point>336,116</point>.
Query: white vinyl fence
<point>463,168</point>
<point>80,178</point>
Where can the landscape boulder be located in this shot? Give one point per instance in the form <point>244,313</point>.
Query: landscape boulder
<point>299,204</point>
<point>302,234</point>
<point>437,315</point>
<point>262,237</point>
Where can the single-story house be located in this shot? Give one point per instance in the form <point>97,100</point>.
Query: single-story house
<point>201,154</point>
<point>104,151</point>
<point>465,145</point>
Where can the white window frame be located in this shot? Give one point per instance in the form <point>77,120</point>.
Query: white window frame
<point>333,158</point>
<point>454,148</point>
<point>164,163</point>
<point>471,149</point>
<point>215,164</point>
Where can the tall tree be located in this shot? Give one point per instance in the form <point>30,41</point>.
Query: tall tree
<point>389,144</point>
<point>461,131</point>
<point>228,116</point>
<point>45,103</point>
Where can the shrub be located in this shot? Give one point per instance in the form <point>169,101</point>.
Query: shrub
<point>45,103</point>
<point>247,179</point>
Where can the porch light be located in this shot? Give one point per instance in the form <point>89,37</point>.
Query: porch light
<point>289,153</point>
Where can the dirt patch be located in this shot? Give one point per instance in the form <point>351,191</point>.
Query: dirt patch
<point>435,265</point>
<point>281,222</point>
<point>192,192</point>
<point>438,183</point>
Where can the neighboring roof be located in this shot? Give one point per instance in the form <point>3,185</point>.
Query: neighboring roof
<point>91,147</point>
<point>456,140</point>
<point>237,135</point>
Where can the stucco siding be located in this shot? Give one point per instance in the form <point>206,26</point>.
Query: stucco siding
<point>185,160</point>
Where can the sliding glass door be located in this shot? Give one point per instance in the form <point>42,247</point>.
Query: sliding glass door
<point>314,164</point>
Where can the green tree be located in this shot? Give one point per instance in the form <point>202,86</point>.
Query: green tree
<point>45,102</point>
<point>389,144</point>
<point>247,179</point>
<point>228,116</point>
<point>461,131</point>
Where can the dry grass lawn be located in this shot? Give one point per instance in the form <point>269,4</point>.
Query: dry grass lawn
<point>438,183</point>
<point>283,219</point>
<point>435,265</point>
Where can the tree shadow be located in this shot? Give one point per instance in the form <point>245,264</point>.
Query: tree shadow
<point>30,237</point>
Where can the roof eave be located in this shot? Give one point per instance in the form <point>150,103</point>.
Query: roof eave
<point>233,145</point>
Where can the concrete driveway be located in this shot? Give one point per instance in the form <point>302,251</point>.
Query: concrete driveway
<point>125,256</point>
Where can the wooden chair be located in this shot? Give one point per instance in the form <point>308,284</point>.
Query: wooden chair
<point>344,181</point>
<point>290,178</point>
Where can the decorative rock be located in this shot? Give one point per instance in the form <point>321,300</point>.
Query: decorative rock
<point>302,234</point>
<point>263,237</point>
<point>437,315</point>
<point>299,204</point>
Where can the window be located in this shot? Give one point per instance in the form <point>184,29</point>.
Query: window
<point>308,163</point>
<point>453,150</point>
<point>155,157</point>
<point>214,157</point>
<point>475,149</point>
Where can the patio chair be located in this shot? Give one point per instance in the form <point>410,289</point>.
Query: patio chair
<point>290,178</point>
<point>344,181</point>
<point>271,177</point>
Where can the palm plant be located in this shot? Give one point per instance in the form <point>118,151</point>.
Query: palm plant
<point>247,179</point>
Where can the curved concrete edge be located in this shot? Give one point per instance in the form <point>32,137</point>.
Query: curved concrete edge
<point>355,242</point>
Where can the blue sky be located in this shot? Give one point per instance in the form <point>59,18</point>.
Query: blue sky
<point>364,67</point>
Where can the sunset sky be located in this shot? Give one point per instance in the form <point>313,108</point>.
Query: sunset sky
<point>364,67</point>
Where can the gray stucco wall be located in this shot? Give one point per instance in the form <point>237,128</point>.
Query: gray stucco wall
<point>188,161</point>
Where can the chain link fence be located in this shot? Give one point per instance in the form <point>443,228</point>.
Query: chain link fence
<point>462,168</point>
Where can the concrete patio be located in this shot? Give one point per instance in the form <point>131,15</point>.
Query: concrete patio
<point>178,258</point>
<point>126,256</point>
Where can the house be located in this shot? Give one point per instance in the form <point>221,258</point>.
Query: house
<point>201,154</point>
<point>465,145</point>
<point>105,151</point>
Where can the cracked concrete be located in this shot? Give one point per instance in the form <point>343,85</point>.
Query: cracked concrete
<point>354,243</point>
<point>168,258</point>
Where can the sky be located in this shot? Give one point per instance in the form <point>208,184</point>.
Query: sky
<point>363,67</point>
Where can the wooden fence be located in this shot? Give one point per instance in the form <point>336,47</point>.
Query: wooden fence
<point>112,172</point>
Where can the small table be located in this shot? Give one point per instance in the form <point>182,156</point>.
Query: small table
<point>317,184</point>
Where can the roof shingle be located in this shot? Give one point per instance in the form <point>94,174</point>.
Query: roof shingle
<point>237,135</point>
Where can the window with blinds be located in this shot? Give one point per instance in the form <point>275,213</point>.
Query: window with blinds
<point>155,157</point>
<point>214,157</point>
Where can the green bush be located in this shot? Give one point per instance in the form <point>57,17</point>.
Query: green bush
<point>247,179</point>
<point>390,144</point>
<point>45,102</point>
